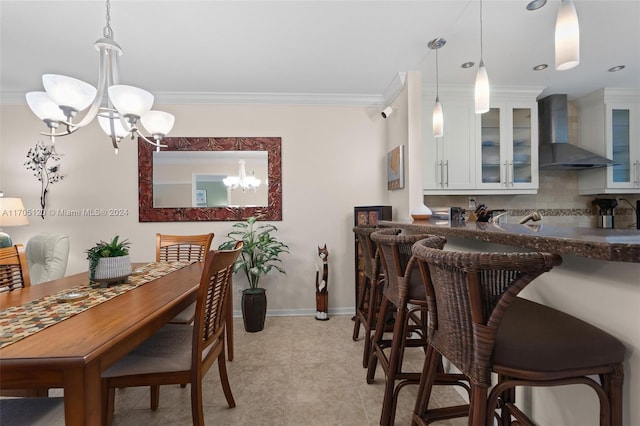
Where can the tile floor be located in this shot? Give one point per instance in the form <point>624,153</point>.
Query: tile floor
<point>297,371</point>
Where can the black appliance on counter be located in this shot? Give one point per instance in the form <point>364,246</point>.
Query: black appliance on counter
<point>605,211</point>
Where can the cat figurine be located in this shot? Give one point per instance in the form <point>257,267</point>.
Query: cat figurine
<point>322,294</point>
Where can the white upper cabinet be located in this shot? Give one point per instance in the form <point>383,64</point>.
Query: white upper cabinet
<point>449,161</point>
<point>491,153</point>
<point>609,122</point>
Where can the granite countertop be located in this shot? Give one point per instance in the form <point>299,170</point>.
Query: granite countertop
<point>619,245</point>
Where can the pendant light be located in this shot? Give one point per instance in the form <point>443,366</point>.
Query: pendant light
<point>567,37</point>
<point>482,79</point>
<point>438,119</point>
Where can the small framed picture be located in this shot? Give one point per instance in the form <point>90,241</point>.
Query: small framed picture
<point>201,197</point>
<point>395,168</point>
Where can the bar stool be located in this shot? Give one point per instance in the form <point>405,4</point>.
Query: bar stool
<point>480,325</point>
<point>369,296</point>
<point>402,293</point>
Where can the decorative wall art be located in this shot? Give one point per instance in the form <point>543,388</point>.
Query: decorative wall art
<point>395,168</point>
<point>47,173</point>
<point>201,197</point>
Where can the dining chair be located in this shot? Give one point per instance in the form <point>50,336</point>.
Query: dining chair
<point>14,270</point>
<point>480,325</point>
<point>171,248</point>
<point>32,411</point>
<point>403,294</point>
<point>47,255</point>
<point>369,294</point>
<point>182,353</point>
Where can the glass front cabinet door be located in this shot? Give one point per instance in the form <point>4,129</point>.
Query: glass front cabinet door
<point>610,126</point>
<point>509,148</point>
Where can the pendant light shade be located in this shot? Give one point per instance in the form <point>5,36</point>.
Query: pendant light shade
<point>482,89</point>
<point>567,37</point>
<point>438,130</point>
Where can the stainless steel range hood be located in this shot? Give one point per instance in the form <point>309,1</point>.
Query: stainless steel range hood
<point>555,151</point>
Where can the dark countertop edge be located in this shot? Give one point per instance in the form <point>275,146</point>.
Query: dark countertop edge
<point>610,251</point>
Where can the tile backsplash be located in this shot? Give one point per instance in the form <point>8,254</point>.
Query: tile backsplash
<point>557,200</point>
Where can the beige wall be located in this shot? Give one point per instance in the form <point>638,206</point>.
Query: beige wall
<point>332,157</point>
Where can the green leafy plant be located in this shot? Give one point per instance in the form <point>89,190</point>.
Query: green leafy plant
<point>261,250</point>
<point>115,248</point>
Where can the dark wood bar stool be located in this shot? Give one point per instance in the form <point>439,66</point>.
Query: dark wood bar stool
<point>403,294</point>
<point>479,324</point>
<point>369,295</point>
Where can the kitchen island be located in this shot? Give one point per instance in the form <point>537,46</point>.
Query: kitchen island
<point>598,281</point>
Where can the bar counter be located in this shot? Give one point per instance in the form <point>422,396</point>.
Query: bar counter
<point>618,245</point>
<point>598,281</point>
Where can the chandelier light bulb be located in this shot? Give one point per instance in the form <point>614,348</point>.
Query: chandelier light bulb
<point>71,94</point>
<point>158,122</point>
<point>567,37</point>
<point>43,107</point>
<point>105,124</point>
<point>130,101</point>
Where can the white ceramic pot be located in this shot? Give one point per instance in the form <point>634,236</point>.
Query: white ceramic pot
<point>113,267</point>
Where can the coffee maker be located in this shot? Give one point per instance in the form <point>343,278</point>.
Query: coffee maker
<point>605,211</point>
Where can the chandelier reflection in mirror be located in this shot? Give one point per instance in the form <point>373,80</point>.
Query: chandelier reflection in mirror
<point>242,181</point>
<point>119,108</point>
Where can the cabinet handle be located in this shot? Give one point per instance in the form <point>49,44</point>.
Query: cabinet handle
<point>512,172</point>
<point>636,168</point>
<point>446,163</point>
<point>505,180</point>
<point>439,173</point>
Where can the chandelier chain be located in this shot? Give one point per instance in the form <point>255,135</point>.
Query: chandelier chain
<point>107,32</point>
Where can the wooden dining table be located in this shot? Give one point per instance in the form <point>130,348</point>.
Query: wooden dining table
<point>72,353</point>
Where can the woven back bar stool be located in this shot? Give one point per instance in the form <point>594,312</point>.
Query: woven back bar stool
<point>403,294</point>
<point>479,324</point>
<point>369,295</point>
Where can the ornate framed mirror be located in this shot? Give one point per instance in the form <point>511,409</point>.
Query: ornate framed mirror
<point>210,179</point>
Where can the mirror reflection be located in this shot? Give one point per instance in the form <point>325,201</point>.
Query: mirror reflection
<point>210,178</point>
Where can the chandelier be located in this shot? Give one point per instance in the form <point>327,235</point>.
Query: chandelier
<point>119,108</point>
<point>242,181</point>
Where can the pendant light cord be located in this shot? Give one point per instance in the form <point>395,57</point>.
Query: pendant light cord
<point>437,78</point>
<point>107,32</point>
<point>481,33</point>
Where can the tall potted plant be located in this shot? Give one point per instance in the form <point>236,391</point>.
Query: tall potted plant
<point>259,255</point>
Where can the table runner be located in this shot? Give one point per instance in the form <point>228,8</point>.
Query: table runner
<point>18,322</point>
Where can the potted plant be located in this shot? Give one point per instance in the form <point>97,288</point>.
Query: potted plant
<point>109,262</point>
<point>259,255</point>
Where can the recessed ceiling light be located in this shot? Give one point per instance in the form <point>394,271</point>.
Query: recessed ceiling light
<point>616,68</point>
<point>540,67</point>
<point>536,4</point>
<point>468,64</point>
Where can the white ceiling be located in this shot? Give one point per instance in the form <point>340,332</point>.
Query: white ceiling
<point>185,48</point>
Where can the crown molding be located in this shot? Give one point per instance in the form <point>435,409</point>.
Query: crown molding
<point>169,98</point>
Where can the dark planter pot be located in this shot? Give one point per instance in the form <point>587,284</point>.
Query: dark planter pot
<point>254,309</point>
